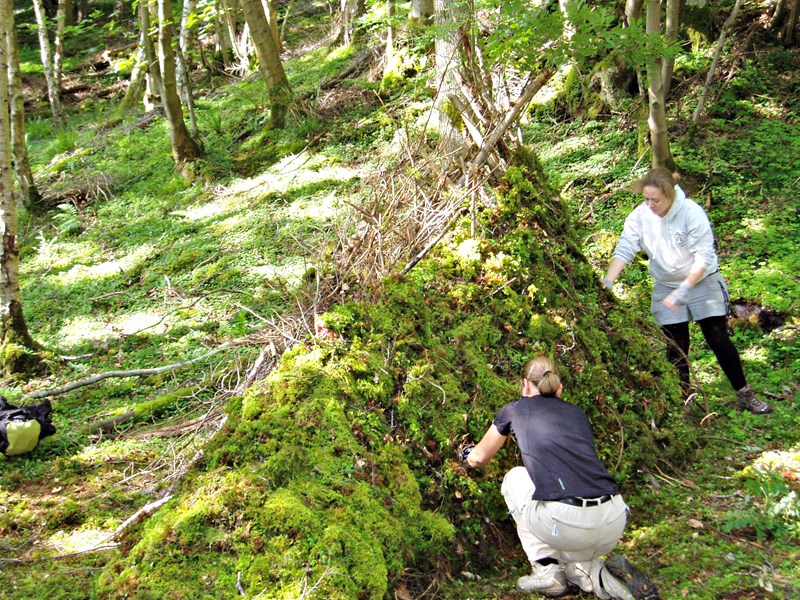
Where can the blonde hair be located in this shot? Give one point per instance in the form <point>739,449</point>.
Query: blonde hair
<point>660,178</point>
<point>541,371</point>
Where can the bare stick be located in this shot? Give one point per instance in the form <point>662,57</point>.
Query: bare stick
<point>717,51</point>
<point>133,373</point>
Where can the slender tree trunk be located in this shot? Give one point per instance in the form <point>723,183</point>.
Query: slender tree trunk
<point>53,89</point>
<point>185,38</point>
<point>269,62</point>
<point>31,197</point>
<point>633,10</point>
<point>672,25</point>
<point>447,61</point>
<point>657,122</point>
<point>58,43</point>
<point>421,14</point>
<point>135,91</point>
<point>15,340</point>
<point>184,148</point>
<point>790,27</point>
<point>224,39</point>
<point>272,19</point>
<point>349,12</point>
<point>153,84</point>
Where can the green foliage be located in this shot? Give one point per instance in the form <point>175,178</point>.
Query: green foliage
<point>68,219</point>
<point>770,508</point>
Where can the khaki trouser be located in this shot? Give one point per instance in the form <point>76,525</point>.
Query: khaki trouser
<point>575,536</point>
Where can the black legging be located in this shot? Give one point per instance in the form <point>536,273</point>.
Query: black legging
<point>715,330</point>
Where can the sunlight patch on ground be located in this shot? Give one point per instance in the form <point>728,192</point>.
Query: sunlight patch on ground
<point>291,272</point>
<point>88,328</point>
<point>779,460</point>
<point>754,224</point>
<point>55,255</point>
<point>314,207</point>
<point>208,210</point>
<point>79,540</point>
<point>80,273</point>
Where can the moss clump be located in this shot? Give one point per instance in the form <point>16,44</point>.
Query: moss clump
<point>339,470</point>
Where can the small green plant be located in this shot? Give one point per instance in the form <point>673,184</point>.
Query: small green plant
<point>66,141</point>
<point>776,515</point>
<point>68,219</point>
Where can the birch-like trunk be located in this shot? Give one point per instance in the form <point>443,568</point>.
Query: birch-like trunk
<point>31,198</point>
<point>53,89</point>
<point>657,122</point>
<point>447,61</point>
<point>185,38</point>
<point>58,42</point>
<point>184,148</point>
<point>13,329</point>
<point>269,62</point>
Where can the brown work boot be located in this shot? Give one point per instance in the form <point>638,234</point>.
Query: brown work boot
<point>747,400</point>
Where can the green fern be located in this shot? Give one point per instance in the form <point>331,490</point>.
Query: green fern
<point>68,220</point>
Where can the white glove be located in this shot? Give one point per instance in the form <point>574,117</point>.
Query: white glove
<point>679,295</point>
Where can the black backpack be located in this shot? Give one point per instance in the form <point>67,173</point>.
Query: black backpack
<point>21,428</point>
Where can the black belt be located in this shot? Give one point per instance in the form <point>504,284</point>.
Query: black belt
<point>585,501</point>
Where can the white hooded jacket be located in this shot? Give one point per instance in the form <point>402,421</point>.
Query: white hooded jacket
<point>676,244</point>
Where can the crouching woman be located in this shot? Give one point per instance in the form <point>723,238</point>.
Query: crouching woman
<point>566,504</point>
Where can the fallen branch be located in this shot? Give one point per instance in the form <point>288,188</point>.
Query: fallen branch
<point>133,373</point>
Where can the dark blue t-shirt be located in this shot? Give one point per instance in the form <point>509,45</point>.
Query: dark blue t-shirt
<point>557,445</point>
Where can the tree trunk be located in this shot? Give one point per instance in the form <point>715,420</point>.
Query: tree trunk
<point>421,14</point>
<point>17,348</point>
<point>31,198</point>
<point>272,19</point>
<point>657,121</point>
<point>135,91</point>
<point>349,12</point>
<point>53,89</point>
<point>633,10</point>
<point>184,148</point>
<point>185,38</point>
<point>269,62</point>
<point>58,43</point>
<point>447,19</point>
<point>153,85</point>
<point>224,40</point>
<point>672,25</point>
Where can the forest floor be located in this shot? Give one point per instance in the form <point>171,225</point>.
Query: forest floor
<point>134,268</point>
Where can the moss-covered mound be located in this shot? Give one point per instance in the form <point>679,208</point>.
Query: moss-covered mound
<point>339,470</point>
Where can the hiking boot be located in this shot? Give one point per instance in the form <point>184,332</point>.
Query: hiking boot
<point>747,400</point>
<point>547,580</point>
<point>620,579</point>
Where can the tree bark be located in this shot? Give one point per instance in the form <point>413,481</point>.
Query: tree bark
<point>31,198</point>
<point>153,84</point>
<point>135,91</point>
<point>184,148</point>
<point>269,62</point>
<point>671,34</point>
<point>657,122</point>
<point>17,348</point>
<point>185,38</point>
<point>421,14</point>
<point>349,12</point>
<point>447,19</point>
<point>58,43</point>
<point>53,89</point>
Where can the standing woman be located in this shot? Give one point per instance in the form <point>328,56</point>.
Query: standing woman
<point>565,503</point>
<point>675,233</point>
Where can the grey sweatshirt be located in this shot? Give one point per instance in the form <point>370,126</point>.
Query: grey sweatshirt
<point>676,244</point>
